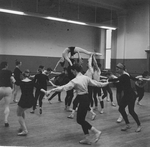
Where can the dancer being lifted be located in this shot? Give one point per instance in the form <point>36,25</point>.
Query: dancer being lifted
<point>72,51</point>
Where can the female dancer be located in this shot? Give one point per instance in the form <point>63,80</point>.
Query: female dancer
<point>41,80</point>
<point>72,51</point>
<point>107,90</point>
<point>6,80</point>
<point>128,98</point>
<point>80,84</point>
<point>139,85</point>
<point>17,76</point>
<point>60,79</point>
<point>96,76</point>
<point>26,101</point>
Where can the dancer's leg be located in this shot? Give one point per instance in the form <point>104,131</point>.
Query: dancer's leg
<point>7,100</point>
<point>21,120</point>
<point>66,57</point>
<point>81,50</point>
<point>15,92</point>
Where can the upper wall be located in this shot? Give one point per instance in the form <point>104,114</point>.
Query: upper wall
<point>30,36</point>
<point>133,33</point>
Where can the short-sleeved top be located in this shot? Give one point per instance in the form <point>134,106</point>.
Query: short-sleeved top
<point>17,75</point>
<point>5,80</point>
<point>41,81</point>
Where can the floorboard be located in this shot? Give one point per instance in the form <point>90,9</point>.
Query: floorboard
<point>54,129</point>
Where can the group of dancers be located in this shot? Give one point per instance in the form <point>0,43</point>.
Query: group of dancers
<point>87,86</point>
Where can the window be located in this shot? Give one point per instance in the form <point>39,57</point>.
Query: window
<point>108,49</point>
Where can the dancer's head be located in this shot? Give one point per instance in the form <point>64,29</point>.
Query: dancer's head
<point>40,69</point>
<point>76,68</point>
<point>26,73</point>
<point>3,65</point>
<point>47,71</point>
<point>18,63</point>
<point>145,74</point>
<point>120,68</point>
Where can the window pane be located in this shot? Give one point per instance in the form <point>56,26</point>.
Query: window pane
<point>108,38</point>
<point>108,59</point>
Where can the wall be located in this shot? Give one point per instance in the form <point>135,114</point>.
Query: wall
<point>133,38</point>
<point>37,41</point>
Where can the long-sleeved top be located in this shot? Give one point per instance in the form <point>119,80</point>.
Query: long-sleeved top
<point>80,84</point>
<point>124,82</point>
<point>17,75</point>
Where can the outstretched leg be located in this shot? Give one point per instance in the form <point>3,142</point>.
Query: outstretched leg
<point>81,50</point>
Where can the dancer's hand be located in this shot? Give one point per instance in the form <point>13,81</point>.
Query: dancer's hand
<point>53,84</point>
<point>42,90</point>
<point>48,92</point>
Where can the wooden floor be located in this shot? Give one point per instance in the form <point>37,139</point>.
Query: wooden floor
<point>54,129</point>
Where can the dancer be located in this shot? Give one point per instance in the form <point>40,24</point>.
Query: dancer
<point>80,84</point>
<point>41,80</point>
<point>128,98</point>
<point>69,93</point>
<point>58,81</point>
<point>72,51</point>
<point>89,73</point>
<point>139,85</point>
<point>106,90</point>
<point>17,76</point>
<point>26,101</point>
<point>6,81</point>
<point>96,76</point>
<point>119,95</point>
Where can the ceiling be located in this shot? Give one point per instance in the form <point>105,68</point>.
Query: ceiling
<point>114,4</point>
<point>92,11</point>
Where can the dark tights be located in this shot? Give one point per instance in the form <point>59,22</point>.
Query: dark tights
<point>82,111</point>
<point>54,94</point>
<point>128,100</point>
<point>38,95</point>
<point>96,91</point>
<point>106,90</point>
<point>69,97</point>
<point>140,92</point>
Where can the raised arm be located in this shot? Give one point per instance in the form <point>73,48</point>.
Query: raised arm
<point>57,65</point>
<point>60,60</point>
<point>90,64</point>
<point>95,63</point>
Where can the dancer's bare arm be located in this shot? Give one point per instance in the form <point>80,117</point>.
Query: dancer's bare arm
<point>60,60</point>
